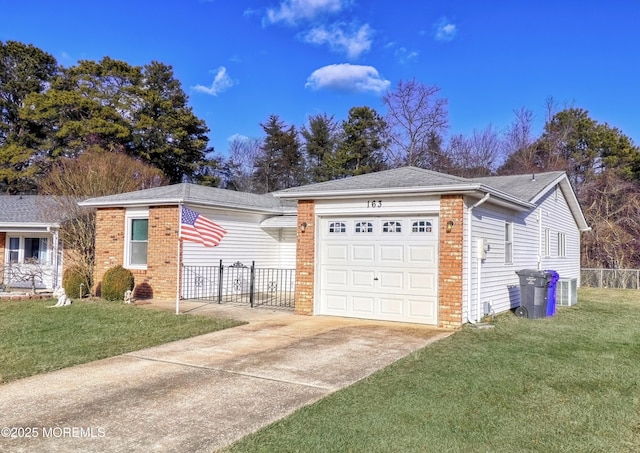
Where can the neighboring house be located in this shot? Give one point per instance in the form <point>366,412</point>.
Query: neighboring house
<point>260,228</point>
<point>407,244</point>
<point>29,226</point>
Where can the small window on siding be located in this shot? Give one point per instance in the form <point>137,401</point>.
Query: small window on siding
<point>547,242</point>
<point>14,250</point>
<point>508,243</point>
<point>337,227</point>
<point>139,242</point>
<point>392,226</point>
<point>35,250</point>
<point>562,244</point>
<point>421,226</point>
<point>364,227</point>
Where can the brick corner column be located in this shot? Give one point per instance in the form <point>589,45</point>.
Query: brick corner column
<point>305,258</point>
<point>451,262</point>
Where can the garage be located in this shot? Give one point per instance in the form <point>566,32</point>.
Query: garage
<point>383,268</point>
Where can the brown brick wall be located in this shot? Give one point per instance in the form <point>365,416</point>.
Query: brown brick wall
<point>305,258</point>
<point>451,260</point>
<point>162,258</point>
<point>158,281</point>
<point>109,241</point>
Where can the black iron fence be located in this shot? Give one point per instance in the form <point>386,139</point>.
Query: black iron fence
<point>610,278</point>
<point>240,284</point>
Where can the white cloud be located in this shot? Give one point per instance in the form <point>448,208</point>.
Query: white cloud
<point>221,82</point>
<point>406,56</point>
<point>237,137</point>
<point>353,42</point>
<point>348,77</point>
<point>292,11</point>
<point>444,30</point>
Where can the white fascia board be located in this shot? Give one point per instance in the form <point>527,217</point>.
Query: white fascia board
<point>180,201</point>
<point>28,228</point>
<point>131,203</point>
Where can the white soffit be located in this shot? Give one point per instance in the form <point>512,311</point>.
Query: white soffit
<point>282,221</point>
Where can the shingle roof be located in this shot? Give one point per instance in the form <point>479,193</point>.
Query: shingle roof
<point>521,187</point>
<point>525,187</point>
<point>194,194</point>
<point>28,209</point>
<point>404,177</point>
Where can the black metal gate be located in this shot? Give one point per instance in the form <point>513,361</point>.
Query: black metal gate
<point>239,284</point>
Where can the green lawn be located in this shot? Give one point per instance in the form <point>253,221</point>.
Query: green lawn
<point>37,339</point>
<point>570,383</point>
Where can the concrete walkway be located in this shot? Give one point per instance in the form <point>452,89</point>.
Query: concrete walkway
<point>203,393</point>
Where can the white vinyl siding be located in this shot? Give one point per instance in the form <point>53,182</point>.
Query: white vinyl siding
<point>499,281</point>
<point>558,218</point>
<point>244,242</point>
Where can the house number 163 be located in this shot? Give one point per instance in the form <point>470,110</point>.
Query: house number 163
<point>374,203</point>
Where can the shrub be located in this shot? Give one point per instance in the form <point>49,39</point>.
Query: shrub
<point>76,282</point>
<point>115,282</point>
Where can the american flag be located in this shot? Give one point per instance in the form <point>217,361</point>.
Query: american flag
<point>196,228</point>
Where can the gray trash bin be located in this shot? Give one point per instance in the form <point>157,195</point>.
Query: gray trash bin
<point>534,287</point>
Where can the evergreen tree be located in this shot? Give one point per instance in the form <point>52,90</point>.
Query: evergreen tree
<point>320,144</point>
<point>24,69</point>
<point>363,142</point>
<point>279,164</point>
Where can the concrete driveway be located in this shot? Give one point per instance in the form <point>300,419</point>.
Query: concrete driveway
<point>203,393</point>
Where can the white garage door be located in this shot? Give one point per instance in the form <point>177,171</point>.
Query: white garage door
<point>382,268</point>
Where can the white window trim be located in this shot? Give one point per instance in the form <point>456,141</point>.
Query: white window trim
<point>508,243</point>
<point>391,227</point>
<point>562,245</point>
<point>337,227</point>
<point>366,227</point>
<point>416,225</point>
<point>547,242</point>
<point>21,246</point>
<point>130,215</point>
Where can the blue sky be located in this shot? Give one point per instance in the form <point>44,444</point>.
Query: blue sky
<point>241,61</point>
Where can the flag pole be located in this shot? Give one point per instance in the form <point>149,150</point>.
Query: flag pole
<point>179,261</point>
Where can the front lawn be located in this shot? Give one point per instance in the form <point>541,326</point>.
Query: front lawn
<point>570,383</point>
<point>37,339</point>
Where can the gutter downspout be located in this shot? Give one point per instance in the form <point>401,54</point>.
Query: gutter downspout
<point>540,238</point>
<point>469,260</point>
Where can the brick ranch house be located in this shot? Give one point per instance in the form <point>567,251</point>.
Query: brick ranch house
<point>407,244</point>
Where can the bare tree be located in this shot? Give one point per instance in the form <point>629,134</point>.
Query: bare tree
<point>31,271</point>
<point>94,173</point>
<point>243,153</point>
<point>415,114</point>
<point>474,156</point>
<point>612,209</point>
<point>517,144</point>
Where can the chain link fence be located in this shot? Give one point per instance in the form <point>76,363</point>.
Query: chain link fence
<point>610,278</point>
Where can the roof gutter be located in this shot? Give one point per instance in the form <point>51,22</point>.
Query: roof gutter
<point>469,262</point>
<point>181,201</point>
